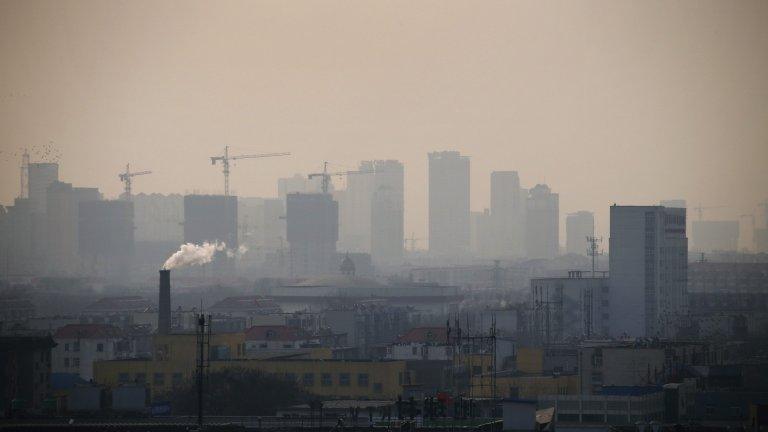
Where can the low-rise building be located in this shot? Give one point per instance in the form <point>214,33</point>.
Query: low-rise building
<point>25,371</point>
<point>422,343</point>
<point>616,364</point>
<point>326,378</point>
<point>277,338</point>
<point>79,345</point>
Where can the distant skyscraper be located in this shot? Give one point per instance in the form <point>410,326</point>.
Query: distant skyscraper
<point>212,218</point>
<point>508,204</point>
<point>482,241</point>
<point>62,214</point>
<point>41,175</point>
<point>105,237</point>
<point>449,224</point>
<point>312,230</point>
<point>299,184</point>
<point>387,213</point>
<point>673,203</point>
<point>542,223</point>
<point>648,270</point>
<point>355,210</point>
<point>578,226</point>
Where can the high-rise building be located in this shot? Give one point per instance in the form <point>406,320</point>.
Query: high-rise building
<point>312,226</point>
<point>673,203</point>
<point>449,223</point>
<point>299,184</point>
<point>62,208</point>
<point>387,213</point>
<point>355,210</point>
<point>41,176</point>
<point>648,270</point>
<point>542,223</point>
<point>105,237</point>
<point>158,217</point>
<point>482,242</point>
<point>578,226</point>
<point>212,218</point>
<point>508,208</point>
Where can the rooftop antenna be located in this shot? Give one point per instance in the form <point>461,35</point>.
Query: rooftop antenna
<point>593,250</point>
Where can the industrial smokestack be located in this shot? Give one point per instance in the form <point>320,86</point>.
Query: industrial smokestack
<point>164,303</point>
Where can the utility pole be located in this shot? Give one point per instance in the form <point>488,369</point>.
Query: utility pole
<point>203,360</point>
<point>587,301</point>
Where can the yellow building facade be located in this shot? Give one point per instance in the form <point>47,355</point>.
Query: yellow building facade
<point>326,378</point>
<point>529,387</point>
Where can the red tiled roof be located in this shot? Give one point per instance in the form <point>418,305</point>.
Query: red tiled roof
<point>277,333</point>
<point>424,335</point>
<point>87,331</point>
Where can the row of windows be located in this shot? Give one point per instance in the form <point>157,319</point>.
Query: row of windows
<point>75,362</point>
<point>76,347</point>
<point>343,379</point>
<point>158,378</point>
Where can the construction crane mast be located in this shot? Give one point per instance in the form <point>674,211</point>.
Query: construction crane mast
<point>326,176</point>
<point>225,158</point>
<point>127,177</point>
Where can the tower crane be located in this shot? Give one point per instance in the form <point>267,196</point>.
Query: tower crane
<point>127,177</point>
<point>700,209</point>
<point>326,176</point>
<point>225,158</point>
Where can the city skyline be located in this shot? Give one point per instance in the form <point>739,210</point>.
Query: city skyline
<point>605,94</point>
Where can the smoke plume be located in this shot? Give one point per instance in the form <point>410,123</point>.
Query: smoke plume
<point>192,254</point>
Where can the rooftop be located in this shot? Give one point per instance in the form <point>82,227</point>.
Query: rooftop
<point>87,331</point>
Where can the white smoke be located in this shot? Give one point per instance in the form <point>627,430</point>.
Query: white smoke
<point>238,253</point>
<point>192,254</point>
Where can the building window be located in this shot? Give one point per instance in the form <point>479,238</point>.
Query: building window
<point>66,347</point>
<point>158,379</point>
<point>66,362</point>
<point>362,380</point>
<point>122,377</point>
<point>290,377</point>
<point>325,380</point>
<point>378,388</point>
<point>76,362</point>
<point>76,346</point>
<point>308,380</point>
<point>100,347</point>
<point>344,379</point>
<point>177,379</point>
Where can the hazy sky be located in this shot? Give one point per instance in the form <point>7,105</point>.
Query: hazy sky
<point>606,101</point>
